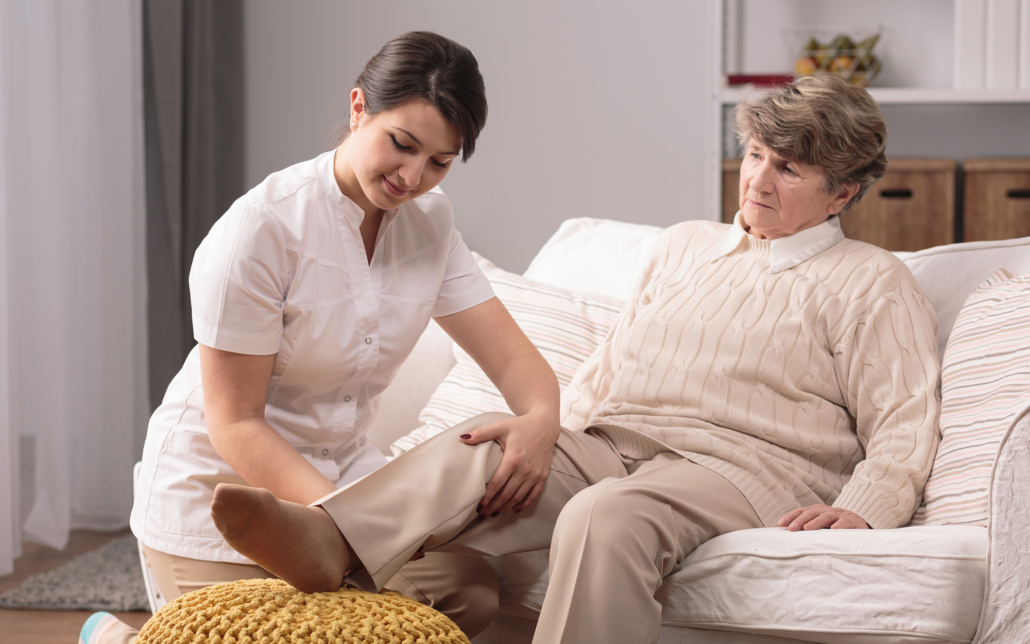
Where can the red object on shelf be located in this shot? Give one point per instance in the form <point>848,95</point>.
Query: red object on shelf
<point>759,80</point>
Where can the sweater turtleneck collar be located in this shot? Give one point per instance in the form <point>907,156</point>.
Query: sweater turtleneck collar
<point>784,252</point>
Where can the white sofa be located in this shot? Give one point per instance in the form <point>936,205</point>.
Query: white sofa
<point>927,584</point>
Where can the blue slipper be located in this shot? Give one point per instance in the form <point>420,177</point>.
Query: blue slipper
<point>94,626</point>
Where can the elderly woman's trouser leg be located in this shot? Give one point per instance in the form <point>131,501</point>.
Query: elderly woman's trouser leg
<point>617,540</point>
<point>427,500</point>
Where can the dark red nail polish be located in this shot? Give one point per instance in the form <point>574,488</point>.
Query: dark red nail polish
<point>496,513</point>
<point>465,437</point>
<point>517,511</point>
<point>479,509</point>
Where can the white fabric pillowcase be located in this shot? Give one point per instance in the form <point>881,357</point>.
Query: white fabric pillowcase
<point>985,383</point>
<point>566,326</point>
<point>595,255</point>
<point>948,274</point>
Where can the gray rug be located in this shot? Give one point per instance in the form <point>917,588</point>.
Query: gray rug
<point>108,578</point>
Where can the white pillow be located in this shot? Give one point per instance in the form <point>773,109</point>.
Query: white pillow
<point>948,274</point>
<point>595,255</point>
<point>564,325</point>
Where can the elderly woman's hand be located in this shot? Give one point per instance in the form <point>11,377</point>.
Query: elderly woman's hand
<point>816,517</point>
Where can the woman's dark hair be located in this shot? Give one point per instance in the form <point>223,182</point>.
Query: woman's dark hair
<point>427,66</point>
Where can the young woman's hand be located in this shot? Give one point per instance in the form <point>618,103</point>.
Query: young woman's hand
<point>527,442</point>
<point>491,337</point>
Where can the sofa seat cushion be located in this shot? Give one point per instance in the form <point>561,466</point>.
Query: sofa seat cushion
<point>916,584</point>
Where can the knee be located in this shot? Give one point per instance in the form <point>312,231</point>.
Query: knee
<point>478,421</point>
<point>602,512</point>
<point>447,445</point>
<point>452,435</point>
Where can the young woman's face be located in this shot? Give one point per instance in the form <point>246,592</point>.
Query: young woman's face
<point>397,154</point>
<point>780,196</point>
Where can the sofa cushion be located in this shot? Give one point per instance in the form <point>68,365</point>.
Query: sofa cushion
<point>985,381</point>
<point>564,325</point>
<point>916,584</point>
<point>948,274</point>
<point>908,584</point>
<point>595,255</point>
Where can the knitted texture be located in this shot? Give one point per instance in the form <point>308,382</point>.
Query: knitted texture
<point>269,611</point>
<point>813,384</point>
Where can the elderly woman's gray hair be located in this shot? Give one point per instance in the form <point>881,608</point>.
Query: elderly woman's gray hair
<point>821,121</point>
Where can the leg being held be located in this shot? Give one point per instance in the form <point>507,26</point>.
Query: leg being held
<point>297,543</point>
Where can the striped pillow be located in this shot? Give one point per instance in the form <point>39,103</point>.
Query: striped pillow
<point>564,325</point>
<point>984,383</point>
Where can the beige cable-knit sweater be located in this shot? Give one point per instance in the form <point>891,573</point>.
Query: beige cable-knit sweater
<point>818,383</point>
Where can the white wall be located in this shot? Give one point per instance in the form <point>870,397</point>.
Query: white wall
<point>597,108</point>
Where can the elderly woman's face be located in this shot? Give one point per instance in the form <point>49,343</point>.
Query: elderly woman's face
<point>779,196</point>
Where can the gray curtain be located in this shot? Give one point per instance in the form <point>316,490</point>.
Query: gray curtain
<point>193,110</point>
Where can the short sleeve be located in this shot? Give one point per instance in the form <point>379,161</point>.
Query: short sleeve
<point>464,284</point>
<point>238,282</point>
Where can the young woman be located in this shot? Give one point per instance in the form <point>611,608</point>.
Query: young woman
<point>307,295</point>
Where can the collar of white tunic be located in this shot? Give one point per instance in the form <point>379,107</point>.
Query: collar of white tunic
<point>325,165</point>
<point>784,252</point>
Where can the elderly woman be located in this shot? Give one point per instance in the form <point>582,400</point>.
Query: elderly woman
<point>768,372</point>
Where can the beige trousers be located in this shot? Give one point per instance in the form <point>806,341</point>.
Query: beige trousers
<point>463,588</point>
<point>616,526</point>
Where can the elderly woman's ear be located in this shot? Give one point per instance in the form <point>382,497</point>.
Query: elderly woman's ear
<point>847,191</point>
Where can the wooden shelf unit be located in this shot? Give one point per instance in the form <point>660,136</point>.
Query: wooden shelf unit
<point>997,199</point>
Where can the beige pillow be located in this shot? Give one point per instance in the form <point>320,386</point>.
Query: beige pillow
<point>985,382</point>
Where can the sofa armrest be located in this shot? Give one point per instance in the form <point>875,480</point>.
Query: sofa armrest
<point>1005,617</point>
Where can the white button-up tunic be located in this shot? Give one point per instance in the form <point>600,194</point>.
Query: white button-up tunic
<point>284,271</point>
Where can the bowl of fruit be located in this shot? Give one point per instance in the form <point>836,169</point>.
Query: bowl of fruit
<point>822,53</point>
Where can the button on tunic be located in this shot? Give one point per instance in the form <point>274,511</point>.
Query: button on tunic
<point>285,272</point>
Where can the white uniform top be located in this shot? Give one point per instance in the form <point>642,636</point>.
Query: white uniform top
<point>284,271</point>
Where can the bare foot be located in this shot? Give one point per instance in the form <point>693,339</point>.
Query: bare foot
<point>297,543</point>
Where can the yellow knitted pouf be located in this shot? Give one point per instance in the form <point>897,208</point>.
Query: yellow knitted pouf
<point>270,611</point>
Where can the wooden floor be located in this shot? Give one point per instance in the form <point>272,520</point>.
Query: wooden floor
<point>58,626</point>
